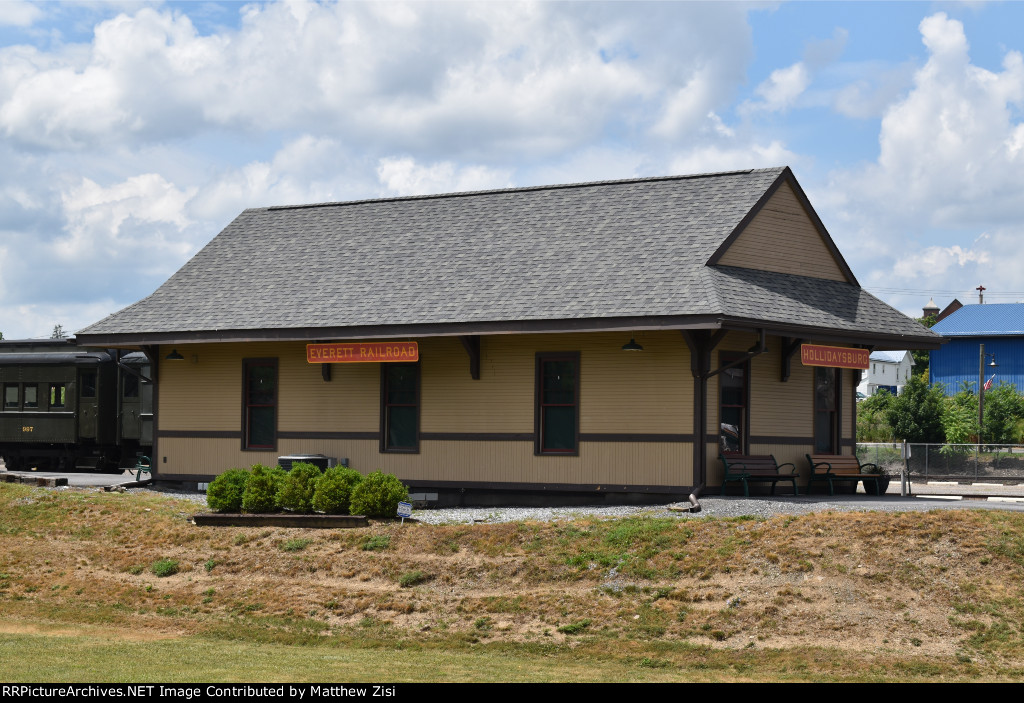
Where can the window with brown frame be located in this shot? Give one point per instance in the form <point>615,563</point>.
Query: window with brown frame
<point>259,404</point>
<point>400,408</point>
<point>826,410</point>
<point>557,411</point>
<point>733,404</point>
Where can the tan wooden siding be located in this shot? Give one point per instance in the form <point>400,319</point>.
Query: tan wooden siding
<point>782,238</point>
<point>620,392</point>
<point>602,463</point>
<point>647,393</point>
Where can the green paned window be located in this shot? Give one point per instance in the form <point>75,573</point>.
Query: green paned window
<point>400,407</point>
<point>557,409</point>
<point>260,404</point>
<point>31,396</point>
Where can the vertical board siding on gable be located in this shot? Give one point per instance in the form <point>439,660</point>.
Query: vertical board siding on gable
<point>782,238</point>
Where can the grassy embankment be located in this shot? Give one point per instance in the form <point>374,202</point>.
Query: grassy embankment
<point>116,587</point>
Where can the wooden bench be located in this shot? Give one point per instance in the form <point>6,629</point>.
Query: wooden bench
<point>740,467</point>
<point>834,467</point>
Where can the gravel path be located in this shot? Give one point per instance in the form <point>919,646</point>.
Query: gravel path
<point>711,506</point>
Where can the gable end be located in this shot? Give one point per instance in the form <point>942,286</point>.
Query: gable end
<point>782,234</point>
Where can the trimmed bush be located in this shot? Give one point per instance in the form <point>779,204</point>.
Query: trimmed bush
<point>260,494</point>
<point>378,495</point>
<point>295,492</point>
<point>334,490</point>
<point>224,494</point>
<point>164,567</point>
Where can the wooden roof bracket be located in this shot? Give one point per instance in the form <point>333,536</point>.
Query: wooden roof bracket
<point>472,344</point>
<point>789,347</point>
<point>756,350</point>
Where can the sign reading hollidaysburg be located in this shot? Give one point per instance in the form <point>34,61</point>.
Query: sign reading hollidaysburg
<point>362,352</point>
<point>835,357</point>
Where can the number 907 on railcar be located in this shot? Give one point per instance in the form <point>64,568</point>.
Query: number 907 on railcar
<point>67,408</point>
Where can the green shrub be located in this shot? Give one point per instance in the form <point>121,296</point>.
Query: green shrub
<point>260,494</point>
<point>378,495</point>
<point>164,567</point>
<point>295,491</point>
<point>334,490</point>
<point>411,578</point>
<point>575,628</point>
<point>376,543</point>
<point>224,494</point>
<point>297,544</point>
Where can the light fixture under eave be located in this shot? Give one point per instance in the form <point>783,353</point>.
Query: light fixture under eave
<point>174,356</point>
<point>631,345</point>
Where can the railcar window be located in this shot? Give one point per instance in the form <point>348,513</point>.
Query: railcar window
<point>11,396</point>
<point>58,392</point>
<point>131,386</point>
<point>88,384</point>
<point>31,396</point>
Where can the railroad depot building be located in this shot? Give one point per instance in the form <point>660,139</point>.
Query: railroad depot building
<point>609,337</point>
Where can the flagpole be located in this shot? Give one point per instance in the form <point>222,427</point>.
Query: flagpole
<point>981,392</point>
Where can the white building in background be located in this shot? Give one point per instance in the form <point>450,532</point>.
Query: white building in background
<point>889,370</point>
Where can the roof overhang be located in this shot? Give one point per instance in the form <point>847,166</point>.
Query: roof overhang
<point>878,340</point>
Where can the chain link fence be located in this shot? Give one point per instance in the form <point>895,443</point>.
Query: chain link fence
<point>949,462</point>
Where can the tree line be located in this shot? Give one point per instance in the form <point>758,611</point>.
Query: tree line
<point>922,413</point>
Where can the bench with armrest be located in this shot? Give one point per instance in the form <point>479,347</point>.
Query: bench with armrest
<point>741,467</point>
<point>834,467</point>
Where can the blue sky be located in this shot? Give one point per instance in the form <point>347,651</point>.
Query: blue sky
<point>132,132</point>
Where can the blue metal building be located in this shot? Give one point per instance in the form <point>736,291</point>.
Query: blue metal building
<point>1000,327</point>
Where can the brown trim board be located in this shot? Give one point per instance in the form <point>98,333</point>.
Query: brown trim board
<point>503,486</point>
<point>436,436</point>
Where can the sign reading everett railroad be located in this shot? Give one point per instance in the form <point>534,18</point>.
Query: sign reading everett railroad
<point>836,357</point>
<point>362,352</point>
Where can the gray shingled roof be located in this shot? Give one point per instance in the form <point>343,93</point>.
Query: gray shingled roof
<point>617,249</point>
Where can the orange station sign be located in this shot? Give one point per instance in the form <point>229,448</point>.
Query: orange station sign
<point>835,357</point>
<point>362,352</point>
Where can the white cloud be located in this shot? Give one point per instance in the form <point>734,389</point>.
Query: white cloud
<point>949,151</point>
<point>718,158</point>
<point>97,219</point>
<point>936,261</point>
<point>782,88</point>
<point>19,13</point>
<point>403,176</point>
<point>444,78</point>
<point>306,169</point>
<point>35,321</point>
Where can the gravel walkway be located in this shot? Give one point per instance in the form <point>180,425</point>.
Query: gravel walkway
<point>711,506</point>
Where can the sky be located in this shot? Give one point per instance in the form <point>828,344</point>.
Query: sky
<point>131,133</point>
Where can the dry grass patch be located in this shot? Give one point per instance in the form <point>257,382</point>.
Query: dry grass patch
<point>828,596</point>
